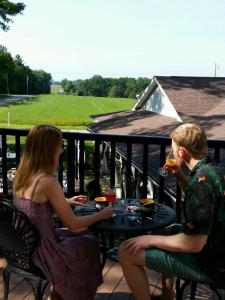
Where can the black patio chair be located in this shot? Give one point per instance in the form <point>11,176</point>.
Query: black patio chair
<point>19,239</point>
<point>215,286</point>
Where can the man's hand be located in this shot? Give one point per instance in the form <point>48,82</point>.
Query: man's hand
<point>136,244</point>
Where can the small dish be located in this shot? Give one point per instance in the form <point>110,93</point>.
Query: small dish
<point>147,201</point>
<point>100,199</point>
<point>147,209</point>
<point>100,202</point>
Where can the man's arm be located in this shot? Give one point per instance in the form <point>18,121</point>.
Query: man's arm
<point>181,242</point>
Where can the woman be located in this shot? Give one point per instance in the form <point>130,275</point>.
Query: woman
<point>69,257</point>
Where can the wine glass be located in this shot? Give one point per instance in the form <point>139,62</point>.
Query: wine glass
<point>110,194</point>
<point>170,162</point>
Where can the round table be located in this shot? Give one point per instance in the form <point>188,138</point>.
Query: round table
<point>123,225</point>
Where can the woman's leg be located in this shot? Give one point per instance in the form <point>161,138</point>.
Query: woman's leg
<point>133,269</point>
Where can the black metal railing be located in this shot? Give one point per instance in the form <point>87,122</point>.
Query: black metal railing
<point>139,157</point>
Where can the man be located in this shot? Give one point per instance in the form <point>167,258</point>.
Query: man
<point>197,249</point>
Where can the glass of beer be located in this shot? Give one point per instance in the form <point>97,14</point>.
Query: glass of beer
<point>170,163</point>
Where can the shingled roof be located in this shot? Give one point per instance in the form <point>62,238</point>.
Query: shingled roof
<point>196,99</point>
<point>134,122</point>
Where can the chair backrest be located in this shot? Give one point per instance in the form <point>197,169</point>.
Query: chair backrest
<point>19,238</point>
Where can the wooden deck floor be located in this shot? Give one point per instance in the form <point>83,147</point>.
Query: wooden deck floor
<point>113,288</point>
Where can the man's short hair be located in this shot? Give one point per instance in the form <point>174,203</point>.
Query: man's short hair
<point>192,137</point>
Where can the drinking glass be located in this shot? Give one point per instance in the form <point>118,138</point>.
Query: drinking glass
<point>170,162</point>
<point>110,194</point>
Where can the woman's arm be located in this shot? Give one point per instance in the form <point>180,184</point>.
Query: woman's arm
<point>54,193</point>
<point>77,200</point>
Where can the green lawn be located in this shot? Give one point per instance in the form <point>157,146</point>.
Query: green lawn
<point>66,112</point>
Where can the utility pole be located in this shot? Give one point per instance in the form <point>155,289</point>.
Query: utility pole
<point>7,83</point>
<point>27,84</point>
<point>216,69</point>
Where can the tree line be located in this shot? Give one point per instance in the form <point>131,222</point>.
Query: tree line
<point>123,87</point>
<point>17,78</point>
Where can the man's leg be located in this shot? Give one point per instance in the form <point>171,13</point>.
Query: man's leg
<point>136,277</point>
<point>133,269</point>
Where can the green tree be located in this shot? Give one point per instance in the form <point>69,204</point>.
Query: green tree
<point>130,91</point>
<point>6,66</point>
<point>114,92</point>
<point>141,84</point>
<point>18,77</point>
<point>121,84</point>
<point>9,9</point>
<point>83,87</point>
<point>68,86</point>
<point>97,86</point>
<point>39,82</point>
<point>6,60</point>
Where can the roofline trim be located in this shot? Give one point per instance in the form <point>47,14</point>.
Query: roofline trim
<point>153,84</point>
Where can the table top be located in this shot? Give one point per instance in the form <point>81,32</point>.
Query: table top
<point>160,217</point>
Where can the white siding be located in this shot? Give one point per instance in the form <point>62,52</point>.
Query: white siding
<point>159,103</point>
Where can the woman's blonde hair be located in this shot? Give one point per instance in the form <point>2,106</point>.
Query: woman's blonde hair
<point>38,155</point>
<point>192,137</point>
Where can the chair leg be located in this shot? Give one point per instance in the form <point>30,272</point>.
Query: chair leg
<point>180,290</point>
<point>216,292</point>
<point>193,290</point>
<point>6,278</point>
<point>40,289</point>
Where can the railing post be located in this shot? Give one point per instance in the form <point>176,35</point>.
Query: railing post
<point>145,171</point>
<point>4,165</point>
<point>81,166</point>
<point>17,149</point>
<point>128,171</point>
<point>70,166</point>
<point>112,165</point>
<point>97,161</point>
<point>161,178</point>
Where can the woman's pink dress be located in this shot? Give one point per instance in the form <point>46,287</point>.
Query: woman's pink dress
<point>70,261</point>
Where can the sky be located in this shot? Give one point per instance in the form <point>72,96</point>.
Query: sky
<point>77,39</point>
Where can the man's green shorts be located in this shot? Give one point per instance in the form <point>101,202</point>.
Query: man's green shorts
<point>174,264</point>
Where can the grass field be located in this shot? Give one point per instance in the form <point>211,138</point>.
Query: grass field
<point>66,112</point>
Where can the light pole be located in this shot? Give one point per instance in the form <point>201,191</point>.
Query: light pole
<point>7,83</point>
<point>216,69</point>
<point>27,83</point>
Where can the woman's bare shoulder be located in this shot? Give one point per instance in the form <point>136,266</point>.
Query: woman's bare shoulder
<point>48,179</point>
<point>47,185</point>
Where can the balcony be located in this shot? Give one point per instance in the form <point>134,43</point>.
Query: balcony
<point>128,162</point>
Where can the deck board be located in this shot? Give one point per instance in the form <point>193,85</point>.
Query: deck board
<point>114,286</point>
